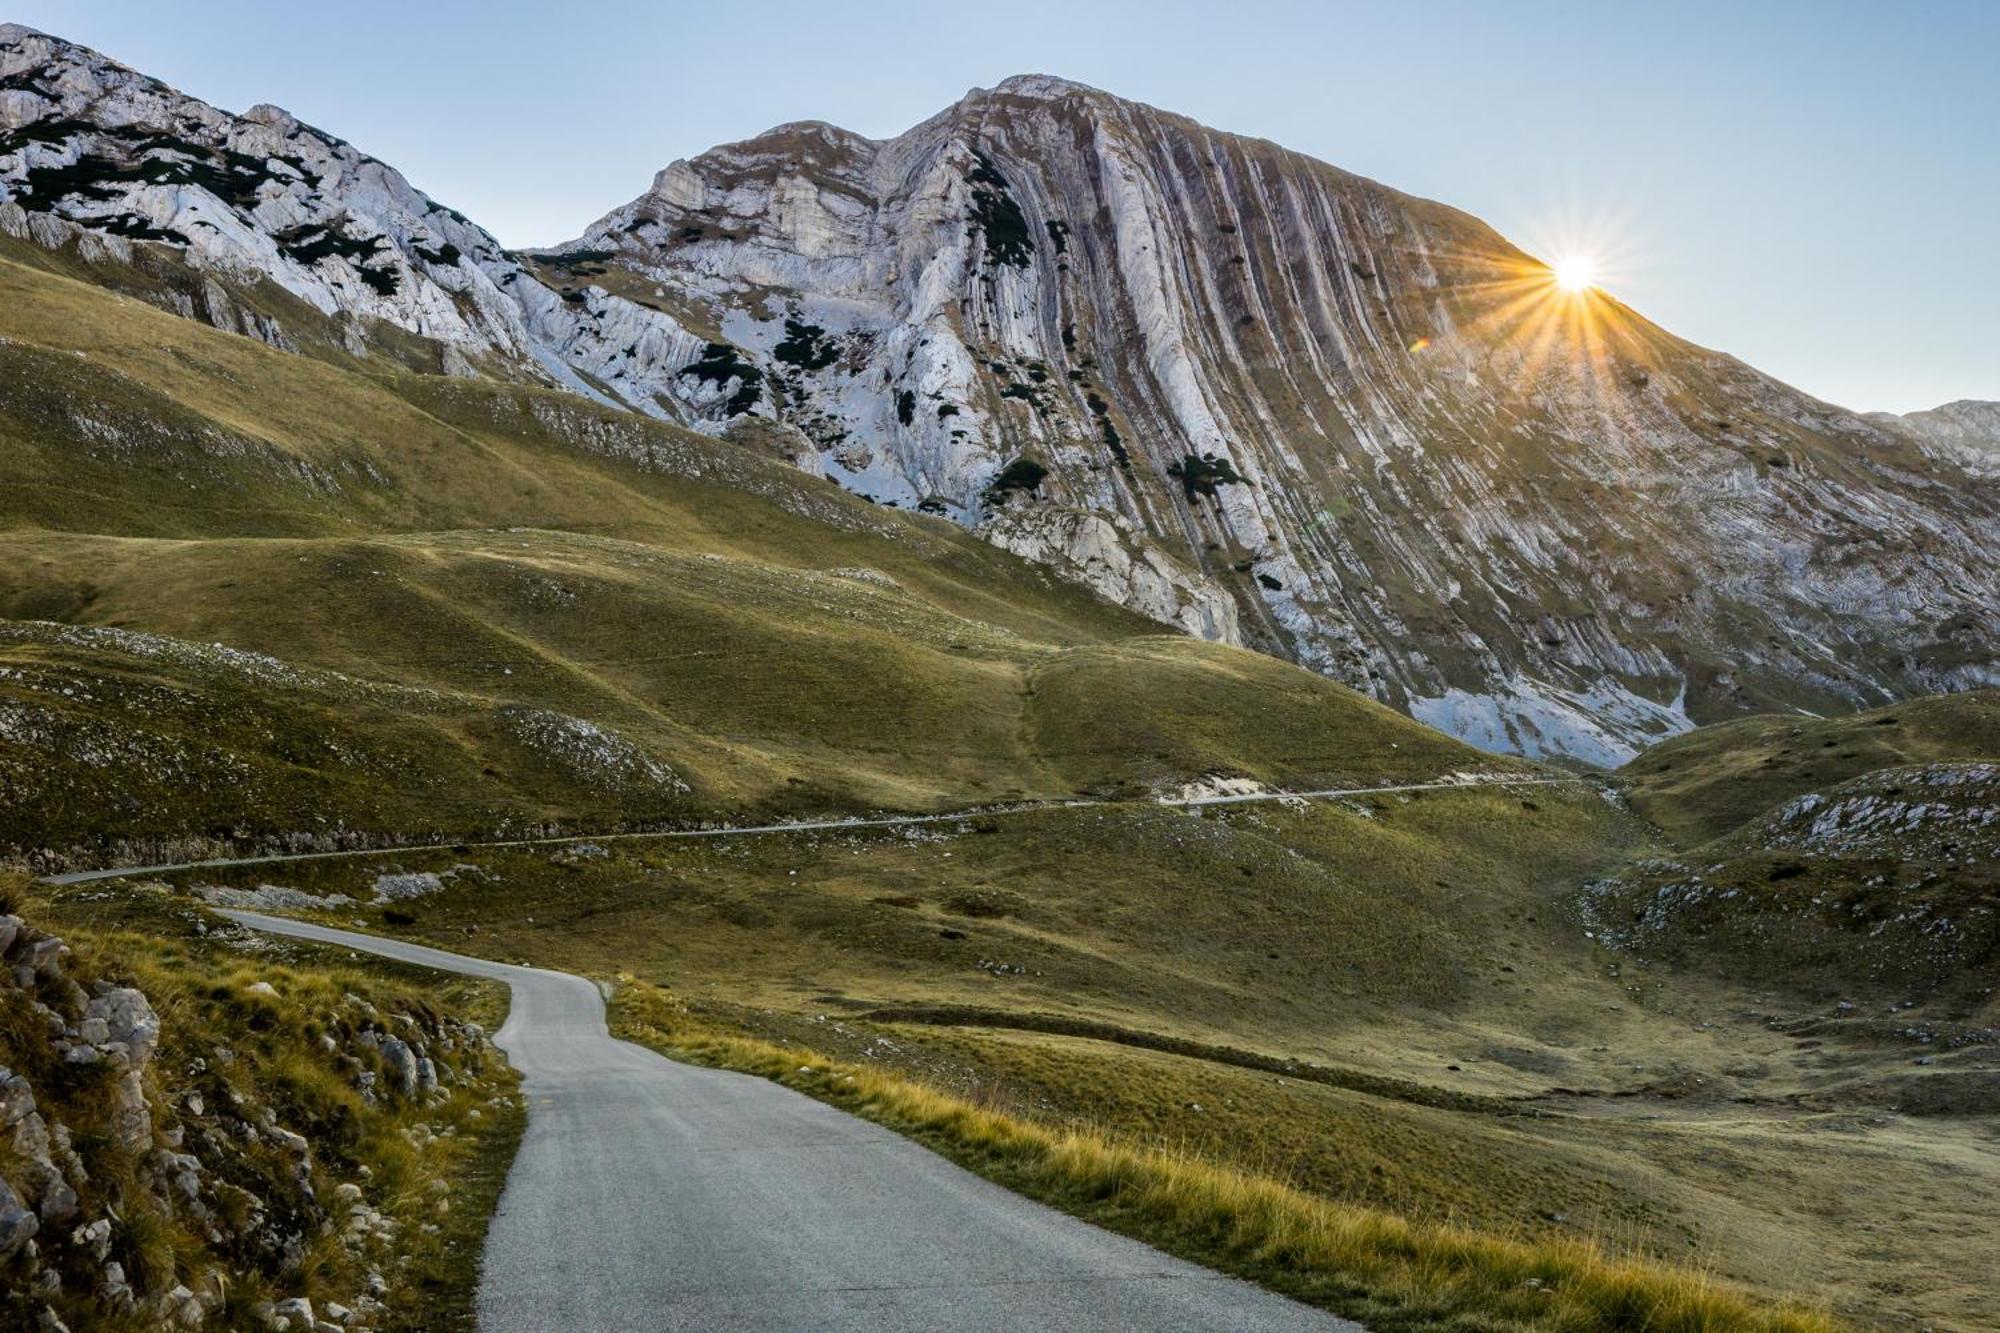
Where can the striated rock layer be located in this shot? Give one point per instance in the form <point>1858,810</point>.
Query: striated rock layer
<point>1235,388</point>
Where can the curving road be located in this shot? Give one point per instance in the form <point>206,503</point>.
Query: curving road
<point>651,1195</point>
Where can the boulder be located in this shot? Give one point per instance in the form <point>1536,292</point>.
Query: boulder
<point>117,1291</point>
<point>297,1309</point>
<point>94,1239</point>
<point>17,1099</point>
<point>128,1020</point>
<point>182,1308</point>
<point>17,1225</point>
<point>45,1182</point>
<point>402,1064</point>
<point>131,1117</point>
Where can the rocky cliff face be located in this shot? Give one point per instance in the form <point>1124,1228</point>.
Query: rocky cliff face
<point>1405,457</point>
<point>96,153</point>
<point>1233,387</point>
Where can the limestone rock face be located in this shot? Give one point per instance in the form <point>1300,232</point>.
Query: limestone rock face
<point>97,154</point>
<point>1965,433</point>
<point>1253,396</point>
<point>1535,520</point>
<point>1102,552</point>
<point>127,1019</point>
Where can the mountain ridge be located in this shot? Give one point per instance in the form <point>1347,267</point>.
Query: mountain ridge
<point>1243,392</point>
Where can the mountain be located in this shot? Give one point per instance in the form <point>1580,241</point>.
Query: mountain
<point>1967,431</point>
<point>253,598</point>
<point>1533,519</point>
<point>1228,386</point>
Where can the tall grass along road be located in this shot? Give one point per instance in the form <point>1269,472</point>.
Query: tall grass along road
<point>797,826</point>
<point>650,1194</point>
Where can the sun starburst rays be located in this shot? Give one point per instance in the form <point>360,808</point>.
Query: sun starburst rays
<point>1541,318</point>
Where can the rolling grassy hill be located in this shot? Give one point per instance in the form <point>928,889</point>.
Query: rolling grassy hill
<point>1706,783</point>
<point>473,606</point>
<point>1846,857</point>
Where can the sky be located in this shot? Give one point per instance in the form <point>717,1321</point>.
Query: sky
<point>1811,186</point>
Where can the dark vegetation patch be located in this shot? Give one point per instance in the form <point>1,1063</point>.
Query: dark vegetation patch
<point>157,159</point>
<point>806,346</point>
<point>906,407</point>
<point>1112,442</point>
<point>383,280</point>
<point>1058,234</point>
<point>1200,474</point>
<point>139,229</point>
<point>309,244</point>
<point>445,256</point>
<point>574,261</point>
<point>1000,219</point>
<point>720,363</point>
<point>1023,474</point>
<point>1109,432</point>
<point>53,131</point>
<point>1270,583</point>
<point>947,410</point>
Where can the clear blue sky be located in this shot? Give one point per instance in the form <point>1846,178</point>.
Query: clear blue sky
<point>1814,187</point>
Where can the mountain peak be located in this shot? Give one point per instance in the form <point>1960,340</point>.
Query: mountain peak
<point>264,113</point>
<point>1047,86</point>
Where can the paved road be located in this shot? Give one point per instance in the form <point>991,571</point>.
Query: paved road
<point>887,821</point>
<point>651,1195</point>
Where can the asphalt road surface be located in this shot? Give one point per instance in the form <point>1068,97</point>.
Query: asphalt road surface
<point>655,1195</point>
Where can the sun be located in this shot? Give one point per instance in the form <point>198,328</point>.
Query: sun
<point>1575,273</point>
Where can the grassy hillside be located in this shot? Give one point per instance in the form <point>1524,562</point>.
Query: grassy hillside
<point>1385,1003</point>
<point>1841,857</point>
<point>226,1166</point>
<point>1704,784</point>
<point>489,607</point>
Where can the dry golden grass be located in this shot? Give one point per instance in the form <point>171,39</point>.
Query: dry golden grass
<point>1374,1265</point>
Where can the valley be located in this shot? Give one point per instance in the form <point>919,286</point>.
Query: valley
<point>1190,683</point>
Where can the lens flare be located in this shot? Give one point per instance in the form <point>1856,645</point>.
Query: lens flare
<point>1575,273</point>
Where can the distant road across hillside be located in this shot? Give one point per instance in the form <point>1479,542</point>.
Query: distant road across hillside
<point>649,1194</point>
<point>888,821</point>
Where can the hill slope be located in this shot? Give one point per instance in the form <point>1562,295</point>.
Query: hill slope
<point>255,595</point>
<point>1228,386</point>
<point>1838,857</point>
